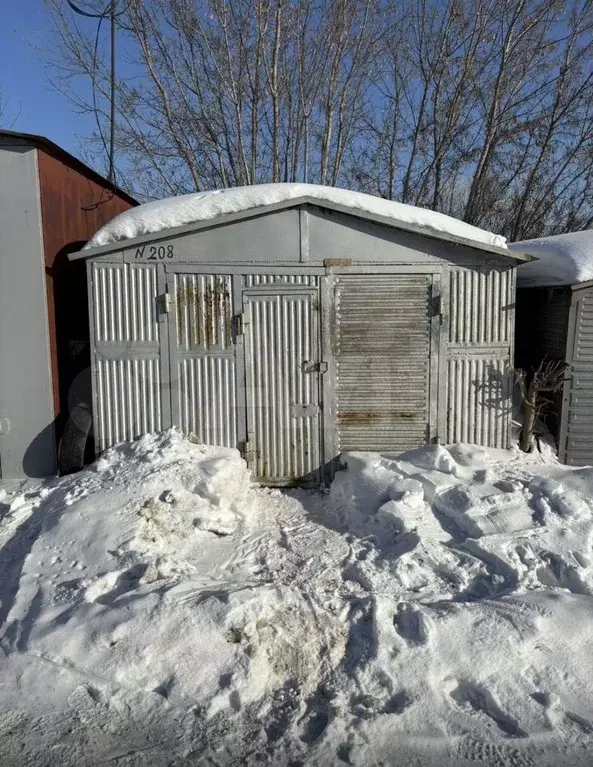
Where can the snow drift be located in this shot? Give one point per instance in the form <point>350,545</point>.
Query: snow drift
<point>158,608</point>
<point>564,259</point>
<point>157,216</point>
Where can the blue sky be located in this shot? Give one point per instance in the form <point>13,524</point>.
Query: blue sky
<point>32,104</point>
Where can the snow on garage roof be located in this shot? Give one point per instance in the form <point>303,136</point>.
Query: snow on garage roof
<point>174,212</point>
<point>563,259</point>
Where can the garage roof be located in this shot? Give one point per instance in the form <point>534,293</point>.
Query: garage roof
<point>179,215</point>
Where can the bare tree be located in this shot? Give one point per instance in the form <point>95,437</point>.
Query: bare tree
<point>548,378</point>
<point>482,109</point>
<point>6,121</point>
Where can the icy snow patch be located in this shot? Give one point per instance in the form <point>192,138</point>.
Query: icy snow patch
<point>159,608</point>
<point>157,216</point>
<point>564,259</point>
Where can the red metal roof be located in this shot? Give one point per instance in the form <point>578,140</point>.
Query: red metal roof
<point>68,159</point>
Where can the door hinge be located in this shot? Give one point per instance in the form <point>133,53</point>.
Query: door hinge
<point>240,322</point>
<point>248,448</point>
<point>164,302</point>
<point>436,305</point>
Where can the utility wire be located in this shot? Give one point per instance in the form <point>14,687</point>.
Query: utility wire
<point>111,175</point>
<point>86,13</point>
<point>94,87</point>
<point>101,16</point>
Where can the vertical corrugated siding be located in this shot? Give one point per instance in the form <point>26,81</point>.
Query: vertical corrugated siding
<point>128,398</point>
<point>282,335</point>
<point>579,442</point>
<point>203,311</point>
<point>479,391</point>
<point>382,362</point>
<point>207,401</point>
<point>306,280</point>
<point>479,396</point>
<point>126,349</point>
<point>205,353</point>
<point>124,301</point>
<point>480,304</point>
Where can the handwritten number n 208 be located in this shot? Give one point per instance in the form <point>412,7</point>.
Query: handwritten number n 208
<point>155,252</point>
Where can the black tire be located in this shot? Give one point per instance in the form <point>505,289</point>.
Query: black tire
<point>74,440</point>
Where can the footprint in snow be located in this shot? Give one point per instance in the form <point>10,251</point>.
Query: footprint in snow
<point>315,719</point>
<point>283,709</point>
<point>410,624</point>
<point>481,701</point>
<point>492,754</point>
<point>559,718</point>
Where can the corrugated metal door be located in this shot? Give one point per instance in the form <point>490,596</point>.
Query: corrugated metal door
<point>577,413</point>
<point>203,358</point>
<point>383,365</point>
<point>282,371</point>
<point>126,345</point>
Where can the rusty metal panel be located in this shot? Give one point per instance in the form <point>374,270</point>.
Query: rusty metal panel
<point>577,449</point>
<point>282,371</point>
<point>204,358</point>
<point>203,311</point>
<point>480,306</point>
<point>479,397</point>
<point>126,352</point>
<point>383,361</point>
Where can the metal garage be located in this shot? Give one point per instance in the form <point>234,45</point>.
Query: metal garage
<point>299,330</point>
<point>555,321</point>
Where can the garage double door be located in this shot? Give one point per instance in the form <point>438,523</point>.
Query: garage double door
<point>247,367</point>
<point>245,361</point>
<point>291,369</point>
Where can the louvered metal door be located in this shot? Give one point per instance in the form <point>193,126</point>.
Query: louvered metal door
<point>383,361</point>
<point>282,369</point>
<point>576,439</point>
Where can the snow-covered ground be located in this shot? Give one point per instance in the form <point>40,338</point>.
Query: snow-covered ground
<point>160,609</point>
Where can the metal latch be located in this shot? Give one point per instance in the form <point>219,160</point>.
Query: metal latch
<point>304,411</point>
<point>314,367</point>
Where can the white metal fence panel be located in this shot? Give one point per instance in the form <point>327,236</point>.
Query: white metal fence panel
<point>383,361</point>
